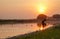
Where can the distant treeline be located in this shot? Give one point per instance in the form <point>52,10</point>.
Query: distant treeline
<point>17,21</point>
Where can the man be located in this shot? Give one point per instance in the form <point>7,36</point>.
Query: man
<point>43,22</point>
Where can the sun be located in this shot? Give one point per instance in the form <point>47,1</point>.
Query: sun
<point>42,9</point>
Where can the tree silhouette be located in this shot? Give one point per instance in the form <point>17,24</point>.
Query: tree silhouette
<point>41,17</point>
<point>56,16</point>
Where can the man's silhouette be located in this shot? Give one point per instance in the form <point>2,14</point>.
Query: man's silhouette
<point>43,22</point>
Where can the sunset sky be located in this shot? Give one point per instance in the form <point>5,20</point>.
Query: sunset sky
<point>28,9</point>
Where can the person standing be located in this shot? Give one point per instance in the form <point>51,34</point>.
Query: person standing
<point>44,22</point>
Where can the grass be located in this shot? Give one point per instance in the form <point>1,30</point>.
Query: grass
<point>52,33</point>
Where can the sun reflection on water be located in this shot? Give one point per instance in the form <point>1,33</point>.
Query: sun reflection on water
<point>41,28</point>
<point>44,28</point>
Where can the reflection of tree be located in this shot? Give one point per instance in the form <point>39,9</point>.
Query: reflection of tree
<point>39,25</point>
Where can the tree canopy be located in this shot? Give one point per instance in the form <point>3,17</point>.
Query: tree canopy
<point>41,17</point>
<point>56,16</point>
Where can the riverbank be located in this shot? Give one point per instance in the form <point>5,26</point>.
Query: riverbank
<point>52,33</point>
<point>17,21</point>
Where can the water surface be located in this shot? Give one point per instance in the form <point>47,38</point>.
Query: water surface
<point>9,30</point>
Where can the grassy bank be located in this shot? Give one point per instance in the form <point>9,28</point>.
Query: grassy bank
<point>52,33</point>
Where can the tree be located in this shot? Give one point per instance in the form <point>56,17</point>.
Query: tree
<point>56,16</point>
<point>41,17</point>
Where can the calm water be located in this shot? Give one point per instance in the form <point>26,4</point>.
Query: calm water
<point>10,30</point>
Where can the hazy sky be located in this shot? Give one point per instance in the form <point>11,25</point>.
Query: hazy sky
<point>27,9</point>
